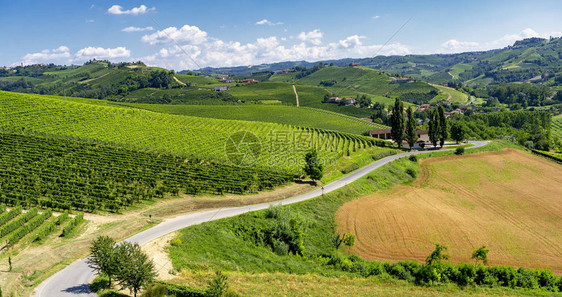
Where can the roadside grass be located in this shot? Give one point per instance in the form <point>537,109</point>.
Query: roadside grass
<point>286,284</point>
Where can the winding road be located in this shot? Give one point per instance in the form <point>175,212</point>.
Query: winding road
<point>73,280</point>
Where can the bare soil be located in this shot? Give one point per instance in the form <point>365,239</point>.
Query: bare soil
<point>510,201</point>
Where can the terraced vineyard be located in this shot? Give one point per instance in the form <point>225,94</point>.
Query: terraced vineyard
<point>280,146</point>
<point>282,114</point>
<point>64,174</point>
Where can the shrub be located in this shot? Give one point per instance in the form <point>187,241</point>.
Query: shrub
<point>411,172</point>
<point>413,158</point>
<point>176,242</point>
<point>349,168</point>
<point>459,151</point>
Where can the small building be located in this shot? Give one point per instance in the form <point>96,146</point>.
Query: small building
<point>355,65</point>
<point>350,101</point>
<point>227,80</point>
<point>334,100</point>
<point>250,81</point>
<point>221,88</point>
<point>423,137</point>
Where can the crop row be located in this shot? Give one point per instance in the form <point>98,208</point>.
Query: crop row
<point>64,174</point>
<point>202,138</point>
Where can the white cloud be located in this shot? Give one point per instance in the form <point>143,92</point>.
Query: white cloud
<point>90,21</point>
<point>376,17</point>
<point>47,55</point>
<point>189,34</point>
<point>456,46</point>
<point>209,51</point>
<point>118,10</point>
<point>137,29</point>
<point>314,37</point>
<point>101,53</point>
<point>267,22</point>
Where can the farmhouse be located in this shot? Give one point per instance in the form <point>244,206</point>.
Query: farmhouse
<point>221,88</point>
<point>250,81</point>
<point>334,100</point>
<point>350,101</point>
<point>227,80</point>
<point>423,136</point>
<point>355,65</point>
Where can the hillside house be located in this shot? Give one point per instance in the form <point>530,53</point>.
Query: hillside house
<point>221,88</point>
<point>227,80</point>
<point>250,81</point>
<point>423,137</point>
<point>334,100</point>
<point>355,65</point>
<point>350,101</point>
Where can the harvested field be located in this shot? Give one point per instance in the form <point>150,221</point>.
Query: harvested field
<point>510,201</point>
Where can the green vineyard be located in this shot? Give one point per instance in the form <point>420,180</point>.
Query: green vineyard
<point>15,224</point>
<point>281,146</point>
<point>64,174</point>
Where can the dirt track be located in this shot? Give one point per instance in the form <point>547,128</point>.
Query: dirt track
<point>509,201</point>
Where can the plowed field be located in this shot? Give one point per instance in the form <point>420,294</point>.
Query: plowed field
<point>509,200</point>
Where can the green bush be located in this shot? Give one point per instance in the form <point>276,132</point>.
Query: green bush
<point>413,158</point>
<point>176,242</point>
<point>349,168</point>
<point>411,172</point>
<point>459,151</point>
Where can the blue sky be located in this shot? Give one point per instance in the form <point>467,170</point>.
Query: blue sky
<point>188,34</point>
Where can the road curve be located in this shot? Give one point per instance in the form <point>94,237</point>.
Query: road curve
<point>74,279</point>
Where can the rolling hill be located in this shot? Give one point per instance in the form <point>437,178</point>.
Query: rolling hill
<point>274,145</point>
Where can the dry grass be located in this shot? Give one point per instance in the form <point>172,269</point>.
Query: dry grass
<point>284,284</point>
<point>509,200</point>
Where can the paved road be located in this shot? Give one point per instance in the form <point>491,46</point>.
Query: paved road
<point>73,280</point>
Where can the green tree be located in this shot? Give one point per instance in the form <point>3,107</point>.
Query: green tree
<point>480,254</point>
<point>411,128</point>
<point>443,131</point>
<point>437,256</point>
<point>397,122</point>
<point>313,167</point>
<point>135,270</point>
<point>103,257</point>
<point>458,131</point>
<point>434,127</point>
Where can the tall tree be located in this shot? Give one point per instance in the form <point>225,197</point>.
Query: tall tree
<point>397,122</point>
<point>135,269</point>
<point>443,131</point>
<point>458,131</point>
<point>434,127</point>
<point>103,257</point>
<point>411,128</point>
<point>313,167</point>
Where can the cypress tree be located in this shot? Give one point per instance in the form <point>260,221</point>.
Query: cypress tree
<point>434,127</point>
<point>443,131</point>
<point>411,128</point>
<point>397,122</point>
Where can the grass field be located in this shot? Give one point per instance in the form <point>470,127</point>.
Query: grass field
<point>510,201</point>
<point>452,95</point>
<point>281,114</point>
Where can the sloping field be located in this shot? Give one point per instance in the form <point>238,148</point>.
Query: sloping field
<point>557,126</point>
<point>277,146</point>
<point>509,201</point>
<point>281,114</point>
